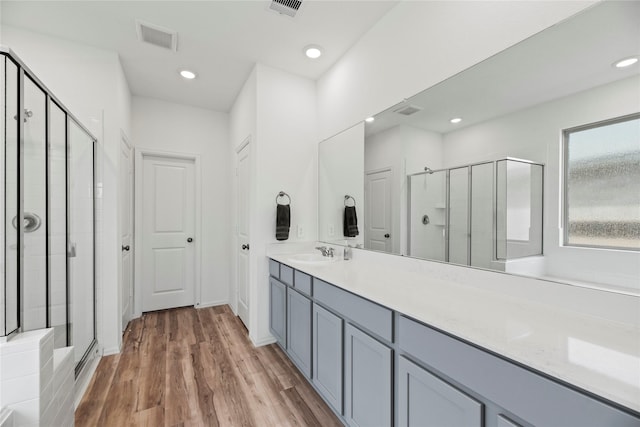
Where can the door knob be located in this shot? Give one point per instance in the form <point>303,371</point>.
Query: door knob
<point>386,236</point>
<point>190,239</point>
<point>126,248</point>
<point>245,247</point>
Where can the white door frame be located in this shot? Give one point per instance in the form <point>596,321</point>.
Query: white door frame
<point>124,139</point>
<point>140,154</point>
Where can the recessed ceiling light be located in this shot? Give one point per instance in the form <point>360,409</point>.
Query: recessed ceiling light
<point>313,51</point>
<point>189,75</point>
<point>370,119</point>
<point>626,62</point>
<point>456,120</point>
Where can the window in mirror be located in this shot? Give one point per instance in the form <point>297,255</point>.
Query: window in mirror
<point>602,184</point>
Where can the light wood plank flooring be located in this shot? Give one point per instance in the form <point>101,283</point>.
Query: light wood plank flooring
<point>188,367</point>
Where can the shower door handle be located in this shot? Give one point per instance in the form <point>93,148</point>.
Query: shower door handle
<point>71,250</point>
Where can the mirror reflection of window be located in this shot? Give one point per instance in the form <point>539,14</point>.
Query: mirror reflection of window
<point>602,184</point>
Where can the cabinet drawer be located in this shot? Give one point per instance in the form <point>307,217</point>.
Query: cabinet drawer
<point>524,393</point>
<point>286,274</point>
<point>274,268</point>
<point>302,282</point>
<point>367,314</point>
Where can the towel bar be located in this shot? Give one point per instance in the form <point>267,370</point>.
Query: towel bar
<point>283,194</point>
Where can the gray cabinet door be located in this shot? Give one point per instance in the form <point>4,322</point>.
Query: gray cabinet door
<point>327,356</point>
<point>278,311</point>
<point>299,330</point>
<point>368,380</point>
<point>426,401</point>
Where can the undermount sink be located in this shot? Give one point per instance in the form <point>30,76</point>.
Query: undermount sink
<point>312,258</point>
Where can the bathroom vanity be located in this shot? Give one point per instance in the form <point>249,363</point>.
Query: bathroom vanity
<point>385,346</point>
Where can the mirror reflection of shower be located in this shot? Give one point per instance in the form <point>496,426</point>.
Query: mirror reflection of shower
<point>485,215</point>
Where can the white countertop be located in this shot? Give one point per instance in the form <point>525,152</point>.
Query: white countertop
<point>598,355</point>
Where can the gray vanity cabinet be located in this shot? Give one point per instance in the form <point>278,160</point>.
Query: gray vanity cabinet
<point>299,330</point>
<point>368,380</point>
<point>327,356</point>
<point>278,311</point>
<point>425,400</point>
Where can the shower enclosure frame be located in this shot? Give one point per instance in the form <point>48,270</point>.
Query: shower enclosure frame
<point>494,201</point>
<point>25,72</point>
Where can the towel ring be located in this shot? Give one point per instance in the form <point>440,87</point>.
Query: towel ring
<point>346,199</point>
<point>283,194</point>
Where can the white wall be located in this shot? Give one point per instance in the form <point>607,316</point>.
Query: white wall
<point>164,126</point>
<point>536,134</point>
<point>406,150</point>
<point>278,111</point>
<point>418,44</point>
<point>89,82</point>
<point>341,172</point>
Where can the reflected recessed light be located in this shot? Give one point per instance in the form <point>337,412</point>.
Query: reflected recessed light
<point>369,119</point>
<point>456,120</point>
<point>626,62</point>
<point>313,51</point>
<point>189,75</point>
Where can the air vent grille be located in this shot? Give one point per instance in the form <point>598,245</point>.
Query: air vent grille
<point>286,7</point>
<point>157,36</point>
<point>408,110</point>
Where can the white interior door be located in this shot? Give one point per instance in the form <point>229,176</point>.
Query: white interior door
<point>244,178</point>
<point>168,226</point>
<point>126,230</point>
<point>377,221</point>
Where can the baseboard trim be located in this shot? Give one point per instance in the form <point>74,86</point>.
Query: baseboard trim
<point>212,304</point>
<point>110,351</point>
<point>264,341</point>
<point>82,382</point>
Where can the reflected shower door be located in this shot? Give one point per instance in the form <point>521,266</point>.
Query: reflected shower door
<point>459,216</point>
<point>482,212</point>
<point>427,219</point>
<point>34,297</point>
<point>80,250</point>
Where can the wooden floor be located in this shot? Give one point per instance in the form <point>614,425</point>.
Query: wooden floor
<point>188,367</point>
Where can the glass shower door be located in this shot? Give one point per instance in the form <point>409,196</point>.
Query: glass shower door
<point>459,216</point>
<point>9,313</point>
<point>35,208</point>
<point>80,243</point>
<point>482,215</point>
<point>57,225</point>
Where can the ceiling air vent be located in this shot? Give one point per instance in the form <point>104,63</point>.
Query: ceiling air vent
<point>407,110</point>
<point>157,35</point>
<point>286,7</point>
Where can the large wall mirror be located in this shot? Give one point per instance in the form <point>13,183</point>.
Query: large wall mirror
<point>472,171</point>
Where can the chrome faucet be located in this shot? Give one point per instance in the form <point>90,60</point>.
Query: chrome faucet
<point>325,251</point>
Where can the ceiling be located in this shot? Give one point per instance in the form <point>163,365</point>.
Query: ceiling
<point>567,58</point>
<point>219,40</point>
